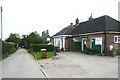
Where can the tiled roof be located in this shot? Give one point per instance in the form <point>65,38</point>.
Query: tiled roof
<point>104,23</point>
<point>100,24</point>
<point>65,31</point>
<point>61,32</point>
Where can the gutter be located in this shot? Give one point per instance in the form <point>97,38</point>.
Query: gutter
<point>102,32</point>
<point>62,36</point>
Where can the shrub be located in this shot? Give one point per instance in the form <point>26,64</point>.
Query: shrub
<point>7,49</point>
<point>38,47</point>
<point>29,50</point>
<point>115,53</point>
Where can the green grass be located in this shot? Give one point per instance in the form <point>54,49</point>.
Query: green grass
<point>38,55</point>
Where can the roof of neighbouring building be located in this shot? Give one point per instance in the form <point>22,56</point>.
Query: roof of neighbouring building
<point>104,23</point>
<point>100,24</point>
<point>65,31</point>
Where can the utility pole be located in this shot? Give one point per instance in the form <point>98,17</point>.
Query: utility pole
<point>1,20</point>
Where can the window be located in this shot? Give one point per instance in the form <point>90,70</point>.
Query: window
<point>116,39</point>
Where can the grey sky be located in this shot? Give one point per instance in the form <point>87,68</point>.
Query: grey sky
<point>25,16</point>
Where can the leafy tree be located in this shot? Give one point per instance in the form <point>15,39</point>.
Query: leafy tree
<point>32,38</point>
<point>14,38</point>
<point>23,42</point>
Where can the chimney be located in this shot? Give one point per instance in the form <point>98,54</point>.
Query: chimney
<point>71,25</point>
<point>47,32</point>
<point>90,18</point>
<point>42,33</point>
<point>77,21</point>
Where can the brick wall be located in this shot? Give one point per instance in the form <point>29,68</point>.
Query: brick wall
<point>94,36</point>
<point>109,40</point>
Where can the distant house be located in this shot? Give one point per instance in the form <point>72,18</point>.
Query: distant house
<point>102,34</point>
<point>46,36</point>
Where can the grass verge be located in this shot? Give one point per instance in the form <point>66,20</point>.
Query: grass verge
<point>38,55</point>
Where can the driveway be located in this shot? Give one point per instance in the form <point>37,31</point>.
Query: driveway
<point>79,65</point>
<point>21,65</point>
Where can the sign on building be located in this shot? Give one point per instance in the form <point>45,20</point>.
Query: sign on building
<point>98,41</point>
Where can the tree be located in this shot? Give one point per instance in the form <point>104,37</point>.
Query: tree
<point>32,38</point>
<point>14,38</point>
<point>23,42</point>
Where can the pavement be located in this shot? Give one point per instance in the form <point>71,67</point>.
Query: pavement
<point>80,65</point>
<point>21,65</point>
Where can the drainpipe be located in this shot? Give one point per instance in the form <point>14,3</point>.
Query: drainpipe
<point>106,28</point>
<point>105,43</point>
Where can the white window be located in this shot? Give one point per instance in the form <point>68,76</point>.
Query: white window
<point>116,39</point>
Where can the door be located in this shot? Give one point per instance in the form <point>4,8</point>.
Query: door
<point>97,47</point>
<point>84,47</point>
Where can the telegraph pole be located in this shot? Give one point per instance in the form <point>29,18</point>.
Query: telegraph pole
<point>1,20</point>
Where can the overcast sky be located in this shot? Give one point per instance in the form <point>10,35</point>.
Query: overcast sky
<point>25,16</point>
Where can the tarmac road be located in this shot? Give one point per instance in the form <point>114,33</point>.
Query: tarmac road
<point>21,65</point>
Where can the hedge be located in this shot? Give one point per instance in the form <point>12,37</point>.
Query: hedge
<point>7,49</point>
<point>38,47</point>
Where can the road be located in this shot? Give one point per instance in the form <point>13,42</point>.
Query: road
<point>21,65</point>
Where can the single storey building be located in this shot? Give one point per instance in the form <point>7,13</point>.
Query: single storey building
<point>101,34</point>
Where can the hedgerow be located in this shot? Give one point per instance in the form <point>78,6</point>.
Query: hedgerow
<point>38,47</point>
<point>8,48</point>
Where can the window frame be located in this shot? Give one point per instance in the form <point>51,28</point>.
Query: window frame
<point>118,38</point>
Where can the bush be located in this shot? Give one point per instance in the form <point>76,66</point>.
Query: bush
<point>7,49</point>
<point>29,50</point>
<point>38,47</point>
<point>115,53</point>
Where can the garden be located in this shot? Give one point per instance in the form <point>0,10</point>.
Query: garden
<point>38,55</point>
<point>35,50</point>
